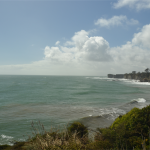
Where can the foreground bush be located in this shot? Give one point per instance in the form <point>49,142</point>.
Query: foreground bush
<point>78,128</point>
<point>128,131</point>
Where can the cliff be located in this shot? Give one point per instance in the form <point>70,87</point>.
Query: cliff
<point>143,77</point>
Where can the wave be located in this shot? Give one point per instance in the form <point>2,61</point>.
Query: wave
<point>104,117</point>
<point>4,139</point>
<point>140,100</point>
<point>98,78</point>
<point>132,81</point>
<point>9,140</point>
<point>141,83</point>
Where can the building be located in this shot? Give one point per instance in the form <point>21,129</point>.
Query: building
<point>115,76</point>
<point>110,76</point>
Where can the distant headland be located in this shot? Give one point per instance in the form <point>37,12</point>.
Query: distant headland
<point>141,76</point>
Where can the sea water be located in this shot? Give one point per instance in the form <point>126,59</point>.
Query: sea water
<point>58,100</point>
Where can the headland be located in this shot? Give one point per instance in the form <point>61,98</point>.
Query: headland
<point>141,76</point>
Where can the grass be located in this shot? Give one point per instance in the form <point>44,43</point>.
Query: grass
<point>130,131</point>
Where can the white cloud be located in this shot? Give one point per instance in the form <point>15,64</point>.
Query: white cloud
<point>115,21</point>
<point>90,56</point>
<point>57,42</point>
<point>84,49</point>
<point>96,49</point>
<point>137,4</point>
<point>134,54</point>
<point>55,54</point>
<point>78,39</point>
<point>131,55</point>
<point>142,38</point>
<point>132,22</point>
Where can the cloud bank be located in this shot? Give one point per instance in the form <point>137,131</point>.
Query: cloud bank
<point>85,55</point>
<point>137,4</point>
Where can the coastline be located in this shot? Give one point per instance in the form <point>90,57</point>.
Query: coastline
<point>139,76</point>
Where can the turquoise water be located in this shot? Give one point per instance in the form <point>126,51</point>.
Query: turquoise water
<point>57,100</point>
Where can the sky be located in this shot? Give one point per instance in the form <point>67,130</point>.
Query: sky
<point>74,37</point>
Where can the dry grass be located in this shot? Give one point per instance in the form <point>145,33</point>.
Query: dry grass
<point>55,139</point>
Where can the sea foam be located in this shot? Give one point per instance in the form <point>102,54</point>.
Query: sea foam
<point>132,81</point>
<point>6,137</point>
<point>140,100</point>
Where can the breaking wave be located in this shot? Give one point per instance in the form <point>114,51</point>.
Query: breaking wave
<point>140,100</point>
<point>105,116</point>
<point>4,139</point>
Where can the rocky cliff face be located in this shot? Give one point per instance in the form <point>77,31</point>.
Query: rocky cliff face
<point>143,77</point>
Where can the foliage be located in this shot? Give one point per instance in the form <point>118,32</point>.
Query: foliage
<point>130,130</point>
<point>147,70</point>
<point>79,128</point>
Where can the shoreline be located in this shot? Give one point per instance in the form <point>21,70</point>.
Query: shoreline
<point>141,76</point>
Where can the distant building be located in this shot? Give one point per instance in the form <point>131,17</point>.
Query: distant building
<point>110,76</point>
<point>119,76</point>
<point>115,76</point>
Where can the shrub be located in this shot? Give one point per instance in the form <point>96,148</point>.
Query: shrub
<point>79,128</point>
<point>130,130</point>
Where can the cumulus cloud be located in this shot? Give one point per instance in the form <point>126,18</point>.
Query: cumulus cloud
<point>96,49</point>
<point>94,53</point>
<point>136,53</point>
<point>129,54</point>
<point>83,48</point>
<point>115,21</point>
<point>55,54</point>
<point>78,39</point>
<point>142,38</point>
<point>85,55</point>
<point>137,4</point>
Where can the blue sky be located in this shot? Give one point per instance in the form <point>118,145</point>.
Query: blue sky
<point>74,37</point>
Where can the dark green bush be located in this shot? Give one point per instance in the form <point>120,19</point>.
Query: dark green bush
<point>78,128</point>
<point>130,130</point>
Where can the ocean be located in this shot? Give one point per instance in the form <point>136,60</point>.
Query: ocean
<point>56,101</point>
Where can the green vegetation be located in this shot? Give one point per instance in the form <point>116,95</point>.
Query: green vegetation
<point>130,131</point>
<point>78,128</point>
<point>143,76</point>
<point>147,70</point>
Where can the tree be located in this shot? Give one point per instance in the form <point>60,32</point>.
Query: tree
<point>147,70</point>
